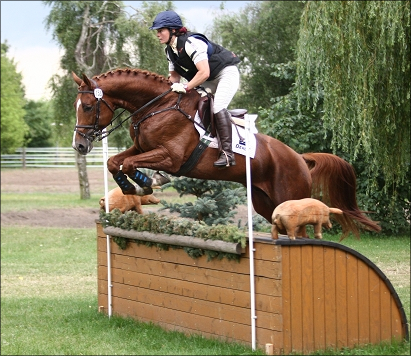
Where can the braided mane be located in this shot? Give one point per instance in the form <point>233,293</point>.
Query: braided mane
<point>132,71</point>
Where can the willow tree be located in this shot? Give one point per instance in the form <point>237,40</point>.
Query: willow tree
<point>356,56</point>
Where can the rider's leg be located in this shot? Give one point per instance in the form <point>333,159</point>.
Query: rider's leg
<point>224,131</point>
<point>228,81</point>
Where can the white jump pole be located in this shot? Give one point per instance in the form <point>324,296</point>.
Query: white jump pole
<point>249,121</point>
<point>109,285</point>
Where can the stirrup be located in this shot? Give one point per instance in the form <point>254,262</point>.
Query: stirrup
<point>228,162</point>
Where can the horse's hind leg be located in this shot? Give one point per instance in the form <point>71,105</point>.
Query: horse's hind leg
<point>262,203</point>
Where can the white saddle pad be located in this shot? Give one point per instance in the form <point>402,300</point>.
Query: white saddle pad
<point>239,142</point>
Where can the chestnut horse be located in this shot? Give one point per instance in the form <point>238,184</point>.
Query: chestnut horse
<point>164,136</point>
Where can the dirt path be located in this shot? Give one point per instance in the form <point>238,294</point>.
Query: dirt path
<point>64,180</point>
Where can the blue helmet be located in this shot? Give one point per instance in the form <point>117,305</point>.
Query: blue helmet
<point>168,19</point>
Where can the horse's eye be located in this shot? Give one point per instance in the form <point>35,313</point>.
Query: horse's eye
<point>87,108</point>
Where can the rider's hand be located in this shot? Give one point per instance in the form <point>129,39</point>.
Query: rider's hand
<point>178,88</point>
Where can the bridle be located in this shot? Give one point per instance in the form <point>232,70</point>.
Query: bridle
<point>98,134</point>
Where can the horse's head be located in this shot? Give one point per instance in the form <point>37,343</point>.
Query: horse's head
<point>93,114</point>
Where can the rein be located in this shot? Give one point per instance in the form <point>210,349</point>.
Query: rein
<point>99,135</point>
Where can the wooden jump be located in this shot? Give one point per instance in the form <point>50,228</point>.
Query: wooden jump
<point>309,294</point>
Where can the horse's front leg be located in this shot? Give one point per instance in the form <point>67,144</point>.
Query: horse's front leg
<point>156,159</point>
<point>145,184</point>
<point>114,167</point>
<point>114,163</point>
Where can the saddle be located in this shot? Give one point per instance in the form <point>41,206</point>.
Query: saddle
<point>205,112</point>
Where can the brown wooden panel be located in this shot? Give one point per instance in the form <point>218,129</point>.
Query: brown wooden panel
<point>341,297</point>
<point>287,334</point>
<point>385,311</point>
<point>330,297</point>
<point>266,252</point>
<point>222,279</point>
<point>363,303</point>
<point>307,275</point>
<point>352,300</point>
<point>296,298</point>
<point>196,307</point>
<point>102,300</point>
<point>263,336</point>
<point>185,320</point>
<point>194,290</point>
<point>265,268</point>
<point>318,298</point>
<point>397,327</point>
<point>375,317</point>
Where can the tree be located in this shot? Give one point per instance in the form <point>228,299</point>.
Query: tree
<point>265,33</point>
<point>356,54</point>
<point>215,200</point>
<point>39,119</point>
<point>303,130</point>
<point>13,127</point>
<point>88,33</point>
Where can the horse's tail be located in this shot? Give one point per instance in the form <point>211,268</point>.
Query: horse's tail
<point>334,183</point>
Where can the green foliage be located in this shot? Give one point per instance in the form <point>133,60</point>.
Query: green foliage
<point>390,205</point>
<point>64,91</point>
<point>357,53</point>
<point>13,127</point>
<point>304,132</point>
<point>216,200</point>
<point>264,33</point>
<point>39,118</point>
<point>146,52</point>
<point>161,224</point>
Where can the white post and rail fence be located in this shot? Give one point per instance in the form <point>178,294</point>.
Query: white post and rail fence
<point>52,157</point>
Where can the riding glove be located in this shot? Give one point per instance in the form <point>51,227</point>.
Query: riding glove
<point>178,88</point>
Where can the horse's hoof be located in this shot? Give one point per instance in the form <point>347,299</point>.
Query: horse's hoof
<point>141,191</point>
<point>160,179</point>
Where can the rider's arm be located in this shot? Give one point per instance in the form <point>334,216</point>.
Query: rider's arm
<point>174,76</point>
<point>201,76</point>
<point>197,50</point>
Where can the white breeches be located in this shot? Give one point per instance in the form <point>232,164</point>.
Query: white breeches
<point>224,87</point>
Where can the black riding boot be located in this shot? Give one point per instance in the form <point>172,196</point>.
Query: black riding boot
<point>224,131</point>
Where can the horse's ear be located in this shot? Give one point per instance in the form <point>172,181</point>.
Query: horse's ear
<point>87,81</point>
<point>76,78</point>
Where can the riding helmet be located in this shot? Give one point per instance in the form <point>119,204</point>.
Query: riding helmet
<point>167,19</point>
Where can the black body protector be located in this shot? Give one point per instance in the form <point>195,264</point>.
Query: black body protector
<point>218,57</point>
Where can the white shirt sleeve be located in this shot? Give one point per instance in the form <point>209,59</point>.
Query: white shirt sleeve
<point>198,47</point>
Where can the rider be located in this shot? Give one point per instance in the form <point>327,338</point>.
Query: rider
<point>201,62</point>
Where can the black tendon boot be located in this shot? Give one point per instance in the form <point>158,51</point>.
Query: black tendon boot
<point>223,126</point>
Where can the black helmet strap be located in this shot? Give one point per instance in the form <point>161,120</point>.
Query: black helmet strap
<point>170,32</point>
